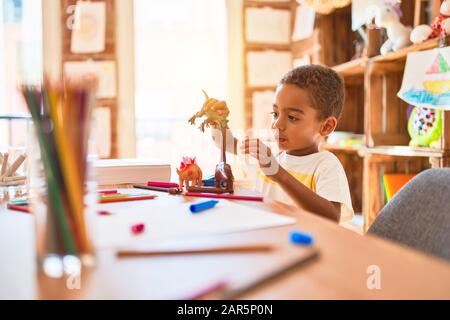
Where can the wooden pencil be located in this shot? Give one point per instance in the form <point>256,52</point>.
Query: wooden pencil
<point>206,250</point>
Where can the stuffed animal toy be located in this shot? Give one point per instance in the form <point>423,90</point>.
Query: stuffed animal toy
<point>388,16</point>
<point>440,26</point>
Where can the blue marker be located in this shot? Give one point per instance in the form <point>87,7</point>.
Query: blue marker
<point>301,238</point>
<point>199,207</point>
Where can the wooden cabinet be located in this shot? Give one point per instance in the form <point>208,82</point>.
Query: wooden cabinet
<point>372,107</point>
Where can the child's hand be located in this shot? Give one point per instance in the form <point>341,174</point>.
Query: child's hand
<point>258,150</point>
<point>231,142</point>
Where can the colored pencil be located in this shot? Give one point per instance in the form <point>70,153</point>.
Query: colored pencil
<point>33,101</point>
<point>61,115</point>
<point>161,189</point>
<point>205,250</point>
<point>124,199</point>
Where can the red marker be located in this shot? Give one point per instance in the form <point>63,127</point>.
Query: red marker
<point>25,209</point>
<point>162,184</point>
<point>223,196</point>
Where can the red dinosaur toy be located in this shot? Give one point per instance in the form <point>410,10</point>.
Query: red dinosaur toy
<point>190,173</point>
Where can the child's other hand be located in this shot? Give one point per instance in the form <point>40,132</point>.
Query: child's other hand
<point>258,150</point>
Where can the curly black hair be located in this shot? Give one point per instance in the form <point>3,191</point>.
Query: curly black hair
<point>325,88</point>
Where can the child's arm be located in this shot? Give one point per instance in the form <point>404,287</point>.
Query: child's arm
<point>308,199</point>
<point>231,141</point>
<point>301,195</point>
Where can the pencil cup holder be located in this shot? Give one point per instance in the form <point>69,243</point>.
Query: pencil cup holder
<point>61,195</point>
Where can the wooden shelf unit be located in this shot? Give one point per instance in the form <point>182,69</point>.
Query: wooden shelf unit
<point>329,29</point>
<point>404,151</point>
<point>109,54</point>
<point>387,138</point>
<point>375,166</point>
<point>372,107</point>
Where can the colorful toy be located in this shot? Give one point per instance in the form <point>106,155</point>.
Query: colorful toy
<point>393,182</point>
<point>216,113</point>
<point>424,126</point>
<point>189,173</point>
<point>388,16</point>
<point>440,26</point>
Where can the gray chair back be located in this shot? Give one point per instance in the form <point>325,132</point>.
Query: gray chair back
<point>418,216</point>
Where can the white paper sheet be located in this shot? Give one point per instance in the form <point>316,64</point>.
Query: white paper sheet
<point>304,22</point>
<point>105,71</point>
<point>101,131</point>
<point>426,80</point>
<point>88,34</point>
<point>265,68</point>
<point>163,222</point>
<point>266,25</point>
<point>18,256</point>
<point>262,103</point>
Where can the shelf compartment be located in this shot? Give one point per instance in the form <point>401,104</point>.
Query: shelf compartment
<point>404,151</point>
<point>373,191</point>
<point>401,54</point>
<point>352,68</point>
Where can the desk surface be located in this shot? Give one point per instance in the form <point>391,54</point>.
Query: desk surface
<point>340,272</point>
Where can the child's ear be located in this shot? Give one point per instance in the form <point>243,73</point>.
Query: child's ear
<point>328,126</point>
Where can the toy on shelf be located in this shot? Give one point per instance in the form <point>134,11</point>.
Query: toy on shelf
<point>388,16</point>
<point>345,139</point>
<point>216,113</point>
<point>189,173</point>
<point>8,176</point>
<point>440,26</point>
<point>425,127</point>
<point>393,182</point>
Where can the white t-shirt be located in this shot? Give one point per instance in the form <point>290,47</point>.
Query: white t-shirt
<point>321,172</point>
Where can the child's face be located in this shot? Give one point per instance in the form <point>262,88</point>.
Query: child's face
<point>297,124</point>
